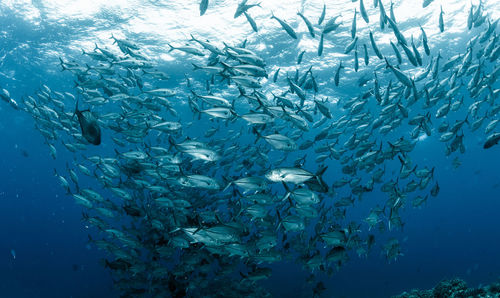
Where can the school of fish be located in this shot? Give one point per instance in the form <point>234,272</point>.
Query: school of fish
<point>206,184</point>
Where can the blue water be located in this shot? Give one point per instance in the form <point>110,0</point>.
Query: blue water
<point>44,251</point>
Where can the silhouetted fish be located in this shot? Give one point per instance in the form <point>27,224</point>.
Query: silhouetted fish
<point>90,128</point>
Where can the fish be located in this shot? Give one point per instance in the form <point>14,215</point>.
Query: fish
<point>89,126</point>
<point>441,21</point>
<point>356,63</point>
<point>223,175</point>
<point>251,22</point>
<point>243,7</point>
<point>213,100</point>
<point>367,56</point>
<point>292,175</point>
<point>351,46</point>
<point>331,25</point>
<point>250,183</point>
<point>337,74</point>
<point>187,49</point>
<point>207,45</point>
<point>391,12</point>
<point>285,26</point>
<point>353,26</point>
<point>246,81</point>
<point>257,118</point>
<point>322,16</point>
<point>426,3</point>
<point>277,141</point>
<point>320,46</point>
<point>491,140</point>
<point>409,55</point>
<point>363,11</point>
<point>399,75</point>
<point>299,58</point>
<point>375,47</point>
<point>308,24</point>
<point>203,7</point>
<point>418,58</point>
<point>425,42</point>
<point>276,74</point>
<point>399,36</point>
<point>383,15</point>
<point>198,181</point>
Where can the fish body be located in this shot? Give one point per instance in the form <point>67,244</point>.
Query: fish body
<point>203,7</point>
<point>425,42</point>
<point>363,11</point>
<point>251,22</point>
<point>375,47</point>
<point>89,126</point>
<point>492,140</point>
<point>308,24</point>
<point>441,21</point>
<point>322,16</point>
<point>320,46</point>
<point>353,26</point>
<point>285,26</point>
<point>289,175</point>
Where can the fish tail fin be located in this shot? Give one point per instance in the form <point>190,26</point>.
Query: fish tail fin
<point>321,171</point>
<point>171,142</point>
<point>279,219</point>
<point>171,47</point>
<point>76,107</point>
<point>194,93</point>
<point>226,180</point>
<point>387,65</point>
<point>254,130</point>
<point>62,64</point>
<point>196,67</point>
<point>194,108</point>
<point>428,116</point>
<point>218,219</point>
<point>299,109</point>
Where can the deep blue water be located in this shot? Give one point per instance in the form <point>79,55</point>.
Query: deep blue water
<point>455,234</point>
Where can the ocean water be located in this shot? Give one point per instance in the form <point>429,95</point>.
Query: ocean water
<point>45,249</point>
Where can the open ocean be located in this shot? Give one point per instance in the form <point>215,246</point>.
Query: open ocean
<point>49,249</point>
